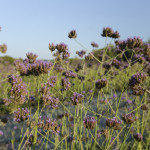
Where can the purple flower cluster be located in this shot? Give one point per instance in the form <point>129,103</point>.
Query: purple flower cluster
<point>138,58</point>
<point>3,48</point>
<point>21,114</point>
<point>113,123</point>
<point>69,74</point>
<point>81,53</point>
<point>89,57</point>
<point>52,47</point>
<point>58,68</point>
<point>130,43</point>
<point>72,34</point>
<point>66,83</point>
<point>129,118</point>
<point>18,92</point>
<point>116,63</point>
<point>50,100</point>
<point>101,83</point>
<point>49,124</point>
<point>108,32</point>
<point>77,98</point>
<point>30,140</point>
<point>36,68</point>
<point>52,81</point>
<point>62,50</point>
<point>89,122</point>
<point>138,137</point>
<point>31,57</point>
<point>94,45</point>
<point>137,79</point>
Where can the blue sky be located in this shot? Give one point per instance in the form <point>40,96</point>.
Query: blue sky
<point>30,25</point>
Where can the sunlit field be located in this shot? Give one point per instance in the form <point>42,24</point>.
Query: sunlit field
<point>97,101</point>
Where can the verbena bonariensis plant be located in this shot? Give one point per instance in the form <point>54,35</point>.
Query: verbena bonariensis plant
<point>18,91</point>
<point>3,47</point>
<point>113,123</point>
<point>31,57</point>
<point>66,83</point>
<point>89,122</point>
<point>21,115</point>
<point>32,66</point>
<point>75,92</point>
<point>101,83</point>
<point>77,98</point>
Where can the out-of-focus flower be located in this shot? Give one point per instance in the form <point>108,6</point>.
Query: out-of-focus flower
<point>21,114</point>
<point>137,79</point>
<point>89,122</point>
<point>129,118</point>
<point>72,34</point>
<point>81,53</point>
<point>108,32</point>
<point>69,73</point>
<point>3,48</point>
<point>50,100</point>
<point>94,44</point>
<point>113,123</point>
<point>66,83</point>
<point>62,47</point>
<point>101,83</point>
<point>18,92</point>
<point>52,125</point>
<point>76,98</point>
<point>52,47</point>
<point>1,133</point>
<point>138,137</point>
<point>31,57</point>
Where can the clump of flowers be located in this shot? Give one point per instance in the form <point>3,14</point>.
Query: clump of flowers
<point>113,123</point>
<point>30,140</point>
<point>69,74</point>
<point>72,34</point>
<point>108,32</point>
<point>58,68</point>
<point>50,125</point>
<point>89,122</point>
<point>138,137</point>
<point>3,48</point>
<point>101,83</point>
<point>50,100</point>
<point>21,115</point>
<point>32,66</point>
<point>52,81</point>
<point>94,45</point>
<point>66,83</point>
<point>129,118</point>
<point>81,53</point>
<point>77,98</point>
<point>52,47</point>
<point>18,91</point>
<point>62,51</point>
<point>116,63</point>
<point>31,57</point>
<point>89,57</point>
<point>135,82</point>
<point>137,78</point>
